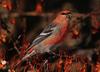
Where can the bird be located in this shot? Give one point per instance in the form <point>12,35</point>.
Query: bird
<point>59,30</point>
<point>53,34</point>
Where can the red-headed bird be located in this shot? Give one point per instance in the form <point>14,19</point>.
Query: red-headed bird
<point>55,33</point>
<point>50,36</point>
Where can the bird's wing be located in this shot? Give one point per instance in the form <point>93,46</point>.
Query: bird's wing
<point>43,35</point>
